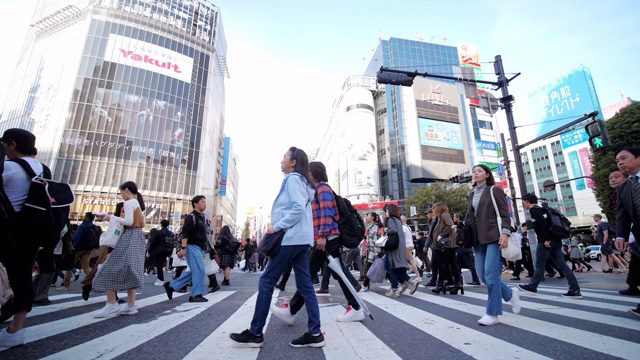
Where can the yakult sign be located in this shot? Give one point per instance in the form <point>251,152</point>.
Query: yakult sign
<point>136,53</point>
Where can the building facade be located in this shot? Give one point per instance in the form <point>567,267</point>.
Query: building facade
<point>229,185</point>
<point>119,90</point>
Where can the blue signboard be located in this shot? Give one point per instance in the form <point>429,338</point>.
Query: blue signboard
<point>561,101</point>
<point>572,138</point>
<point>225,167</point>
<point>500,170</point>
<point>486,145</point>
<point>440,133</point>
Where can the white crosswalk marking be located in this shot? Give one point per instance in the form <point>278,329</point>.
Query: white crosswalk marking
<point>62,296</point>
<point>472,342</point>
<point>605,344</point>
<point>345,340</point>
<point>583,302</point>
<point>219,342</point>
<point>70,304</point>
<point>117,343</point>
<point>595,295</point>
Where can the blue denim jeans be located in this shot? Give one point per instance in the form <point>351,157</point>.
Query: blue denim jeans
<point>489,267</point>
<point>396,276</point>
<point>298,257</point>
<point>544,253</point>
<point>196,274</point>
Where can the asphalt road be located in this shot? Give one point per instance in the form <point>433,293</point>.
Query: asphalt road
<point>419,326</point>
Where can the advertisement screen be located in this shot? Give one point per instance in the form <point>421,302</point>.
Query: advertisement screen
<point>225,166</point>
<point>561,101</point>
<point>440,134</point>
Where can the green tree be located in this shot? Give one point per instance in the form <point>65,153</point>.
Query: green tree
<point>624,130</point>
<point>455,196</point>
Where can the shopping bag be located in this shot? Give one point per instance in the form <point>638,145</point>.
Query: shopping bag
<point>513,251</point>
<point>377,272</point>
<point>111,236</point>
<point>382,241</point>
<point>176,260</point>
<point>210,266</point>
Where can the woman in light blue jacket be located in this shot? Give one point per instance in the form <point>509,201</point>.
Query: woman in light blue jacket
<point>291,212</point>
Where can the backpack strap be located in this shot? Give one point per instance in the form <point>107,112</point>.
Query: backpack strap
<point>46,173</point>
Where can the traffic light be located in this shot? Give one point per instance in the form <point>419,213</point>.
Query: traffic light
<point>598,135</point>
<point>465,179</point>
<point>455,179</point>
<point>395,78</point>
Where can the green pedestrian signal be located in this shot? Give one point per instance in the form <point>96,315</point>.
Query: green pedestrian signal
<point>598,135</point>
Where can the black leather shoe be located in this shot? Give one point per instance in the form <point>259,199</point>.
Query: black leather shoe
<point>86,291</point>
<point>42,302</point>
<point>197,298</point>
<point>168,289</point>
<point>630,291</point>
<point>214,289</point>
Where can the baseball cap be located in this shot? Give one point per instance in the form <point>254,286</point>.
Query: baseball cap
<point>25,140</point>
<point>597,216</point>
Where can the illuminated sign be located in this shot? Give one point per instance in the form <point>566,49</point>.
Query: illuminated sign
<point>146,56</point>
<point>435,96</point>
<point>441,134</point>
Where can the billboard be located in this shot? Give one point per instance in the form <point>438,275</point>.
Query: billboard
<point>561,101</point>
<point>575,146</point>
<point>225,166</point>
<point>441,134</point>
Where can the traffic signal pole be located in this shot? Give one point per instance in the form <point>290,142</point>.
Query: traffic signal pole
<point>512,185</point>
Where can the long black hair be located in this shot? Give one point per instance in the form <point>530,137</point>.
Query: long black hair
<point>131,186</point>
<point>490,180</point>
<point>302,162</point>
<point>376,219</point>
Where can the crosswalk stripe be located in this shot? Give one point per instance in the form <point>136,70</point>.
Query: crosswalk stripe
<point>219,343</point>
<point>42,310</point>
<point>605,344</point>
<point>596,295</point>
<point>346,340</point>
<point>62,296</point>
<point>582,302</point>
<point>469,341</point>
<point>625,322</point>
<point>117,343</point>
<point>38,332</point>
<point>542,287</point>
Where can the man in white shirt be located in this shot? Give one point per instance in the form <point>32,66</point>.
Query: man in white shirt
<point>408,239</point>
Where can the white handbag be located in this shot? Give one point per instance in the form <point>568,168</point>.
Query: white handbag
<point>5,288</point>
<point>382,241</point>
<point>513,251</point>
<point>111,236</point>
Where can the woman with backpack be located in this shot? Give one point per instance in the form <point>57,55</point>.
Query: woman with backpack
<point>226,249</point>
<point>124,268</point>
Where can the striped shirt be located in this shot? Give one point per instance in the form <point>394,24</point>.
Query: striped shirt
<point>325,212</point>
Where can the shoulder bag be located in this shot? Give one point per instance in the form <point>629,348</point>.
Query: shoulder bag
<point>513,251</point>
<point>111,236</point>
<point>270,243</point>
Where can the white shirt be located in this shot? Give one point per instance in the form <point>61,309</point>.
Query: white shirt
<point>408,236</point>
<point>17,182</point>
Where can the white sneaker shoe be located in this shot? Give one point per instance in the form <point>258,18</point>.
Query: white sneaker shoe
<point>392,293</point>
<point>404,287</point>
<point>10,340</point>
<point>107,310</point>
<point>158,283</point>
<point>283,312</point>
<point>413,286</point>
<point>351,315</point>
<point>126,310</point>
<point>515,301</point>
<point>488,320</point>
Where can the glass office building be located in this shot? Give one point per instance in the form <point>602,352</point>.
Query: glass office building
<point>119,90</point>
<point>421,130</point>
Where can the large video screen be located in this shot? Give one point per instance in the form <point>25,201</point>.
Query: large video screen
<point>440,134</point>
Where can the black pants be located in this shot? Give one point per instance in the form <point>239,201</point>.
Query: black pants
<point>526,261</point>
<point>447,267</point>
<point>465,260</point>
<point>633,277</point>
<point>551,267</point>
<point>19,264</point>
<point>316,261</point>
<point>435,265</point>
<point>160,259</point>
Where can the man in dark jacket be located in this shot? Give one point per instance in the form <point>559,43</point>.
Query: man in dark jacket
<point>160,248</point>
<point>84,240</point>
<point>548,247</point>
<point>248,252</point>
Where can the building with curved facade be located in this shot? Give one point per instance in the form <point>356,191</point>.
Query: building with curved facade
<point>119,90</point>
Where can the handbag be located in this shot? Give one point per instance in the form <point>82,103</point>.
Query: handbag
<point>393,241</point>
<point>5,288</point>
<point>513,251</point>
<point>382,241</point>
<point>113,233</point>
<point>444,242</point>
<point>270,243</point>
<point>376,272</point>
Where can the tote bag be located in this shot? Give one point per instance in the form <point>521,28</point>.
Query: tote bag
<point>111,236</point>
<point>513,251</point>
<point>377,272</point>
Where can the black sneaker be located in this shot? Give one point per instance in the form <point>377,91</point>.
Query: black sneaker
<point>168,289</point>
<point>474,283</point>
<point>247,339</point>
<point>573,294</point>
<point>86,291</point>
<point>308,340</point>
<point>214,289</point>
<point>528,288</point>
<point>608,271</point>
<point>225,282</point>
<point>197,298</point>
<point>515,278</point>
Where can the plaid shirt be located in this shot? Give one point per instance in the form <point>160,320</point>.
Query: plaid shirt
<point>325,212</point>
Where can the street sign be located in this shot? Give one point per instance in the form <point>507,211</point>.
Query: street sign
<point>500,170</point>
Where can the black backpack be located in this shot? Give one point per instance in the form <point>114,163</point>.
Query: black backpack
<point>46,209</point>
<point>168,242</point>
<point>233,247</point>
<point>350,223</point>
<point>94,237</point>
<point>559,225</point>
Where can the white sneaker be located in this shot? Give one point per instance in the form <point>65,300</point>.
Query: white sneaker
<point>125,309</point>
<point>158,283</point>
<point>413,286</point>
<point>404,287</point>
<point>351,315</point>
<point>488,320</point>
<point>107,310</point>
<point>515,301</point>
<point>283,312</point>
<point>392,293</point>
<point>10,340</point>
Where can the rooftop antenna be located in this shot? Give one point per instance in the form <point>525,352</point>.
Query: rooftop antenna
<point>444,41</point>
<point>622,93</point>
<point>433,37</point>
<point>420,36</point>
<point>380,36</point>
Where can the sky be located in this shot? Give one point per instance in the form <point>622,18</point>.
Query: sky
<point>288,59</point>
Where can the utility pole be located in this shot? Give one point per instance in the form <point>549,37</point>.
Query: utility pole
<point>512,185</point>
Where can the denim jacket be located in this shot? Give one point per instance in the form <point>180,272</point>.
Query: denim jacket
<point>291,211</point>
